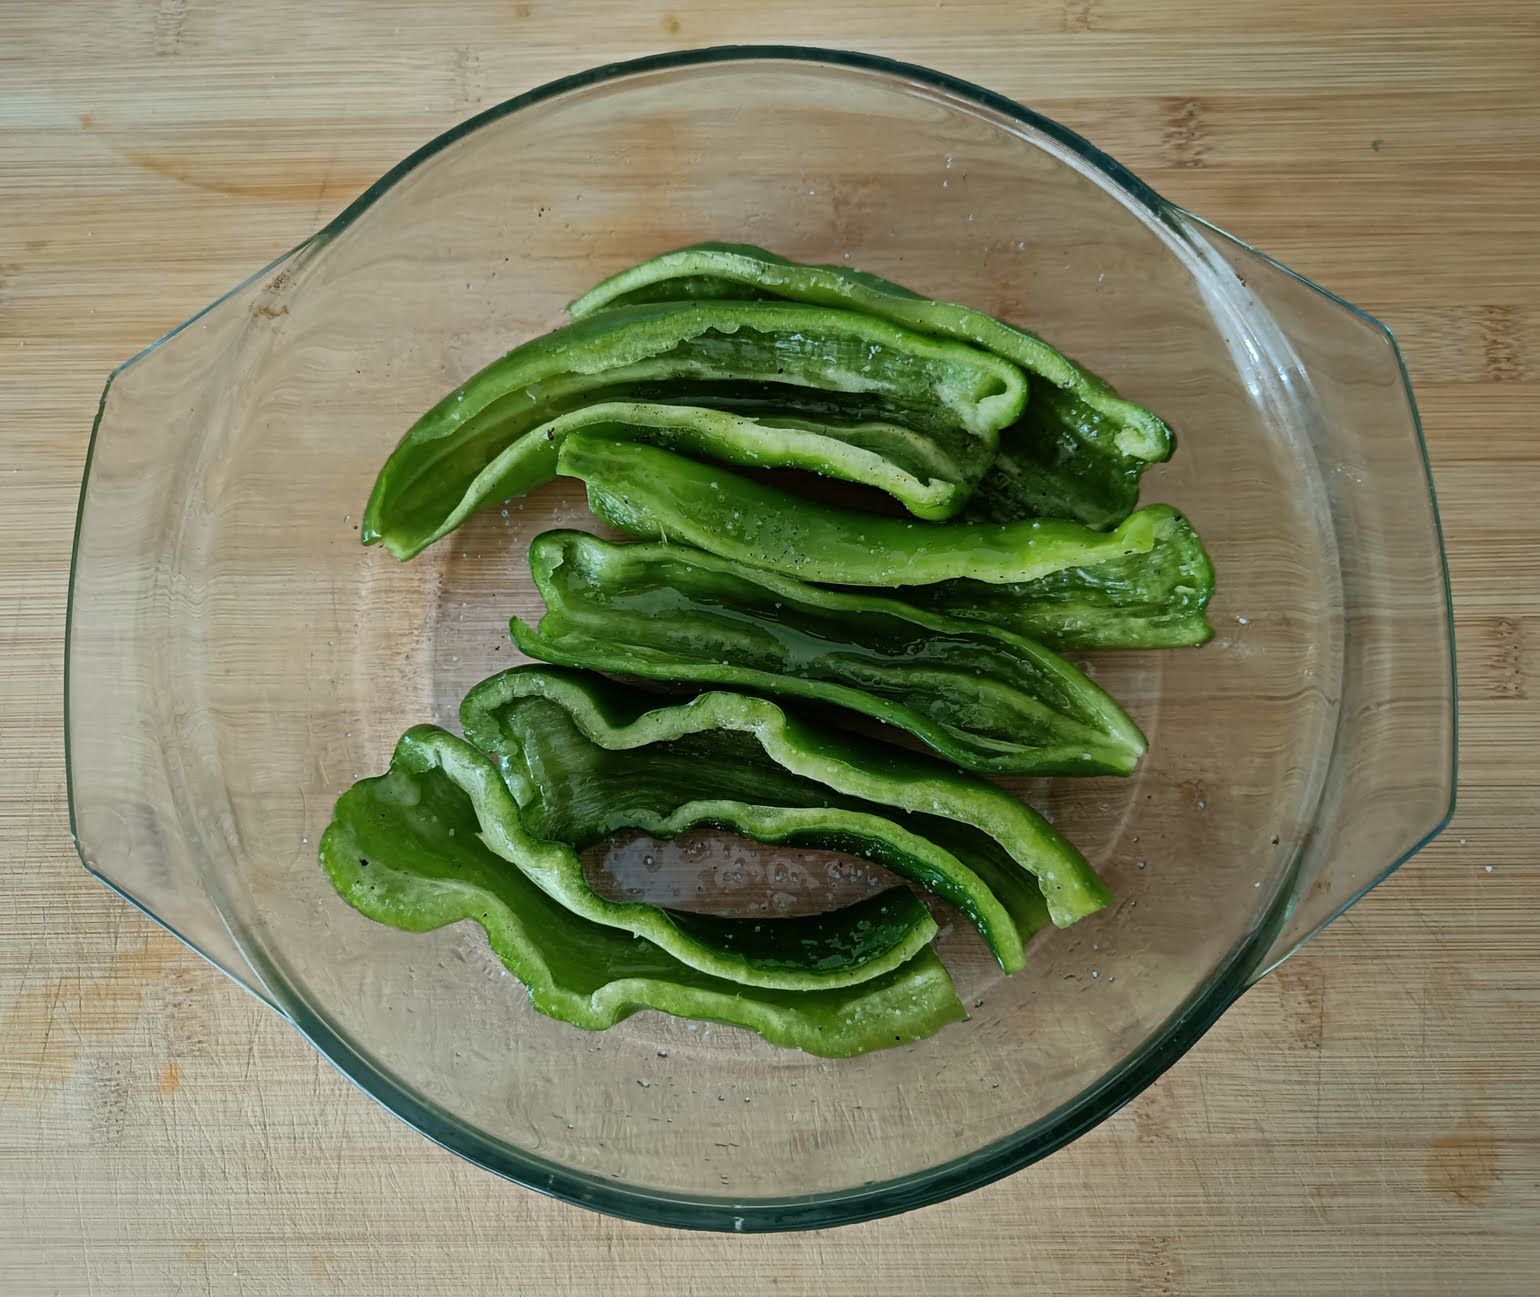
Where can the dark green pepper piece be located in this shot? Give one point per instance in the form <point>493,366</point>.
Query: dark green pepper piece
<point>800,361</point>
<point>657,495</point>
<point>818,951</point>
<point>907,465</point>
<point>1077,453</point>
<point>640,752</point>
<point>1060,460</point>
<point>987,699</point>
<point>1156,599</point>
<point>406,849</point>
<point>552,737</point>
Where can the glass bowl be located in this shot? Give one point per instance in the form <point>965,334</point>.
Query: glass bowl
<point>236,658</point>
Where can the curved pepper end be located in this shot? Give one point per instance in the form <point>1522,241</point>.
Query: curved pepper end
<point>369,532</point>
<point>1145,436</point>
<point>1192,574</point>
<point>375,530</point>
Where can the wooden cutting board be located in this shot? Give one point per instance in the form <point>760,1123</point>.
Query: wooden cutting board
<point>1367,1120</point>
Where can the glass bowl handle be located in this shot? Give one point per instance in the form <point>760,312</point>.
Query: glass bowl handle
<point>1388,786</point>
<point>147,815</point>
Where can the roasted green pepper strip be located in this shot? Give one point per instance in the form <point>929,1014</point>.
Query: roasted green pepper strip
<point>814,952</point>
<point>1157,599</point>
<point>1080,449</point>
<point>572,787</point>
<point>655,494</point>
<point>907,465</point>
<point>730,747</point>
<point>987,699</point>
<point>753,355</point>
<point>1057,462</point>
<point>406,849</point>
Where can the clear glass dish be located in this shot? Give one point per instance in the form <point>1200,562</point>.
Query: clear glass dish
<point>236,658</point>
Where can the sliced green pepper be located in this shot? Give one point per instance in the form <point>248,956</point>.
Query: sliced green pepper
<point>798,360</point>
<point>1156,599</point>
<point>572,787</point>
<point>1080,449</point>
<point>406,848</point>
<point>655,494</point>
<point>907,465</point>
<point>848,946</point>
<point>737,748</point>
<point>987,699</point>
<point>1060,461</point>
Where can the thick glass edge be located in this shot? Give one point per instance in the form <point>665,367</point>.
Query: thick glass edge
<point>976,1169</point>
<point>69,612</point>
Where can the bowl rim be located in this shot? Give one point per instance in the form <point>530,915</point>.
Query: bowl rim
<point>1247,960</point>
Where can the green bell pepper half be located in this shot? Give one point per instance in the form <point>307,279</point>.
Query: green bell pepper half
<point>640,750</point>
<point>414,848</point>
<point>1153,599</point>
<point>787,360</point>
<point>658,495</point>
<point>990,700</point>
<point>1079,450</point>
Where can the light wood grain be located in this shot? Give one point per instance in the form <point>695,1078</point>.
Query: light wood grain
<point>1367,1120</point>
